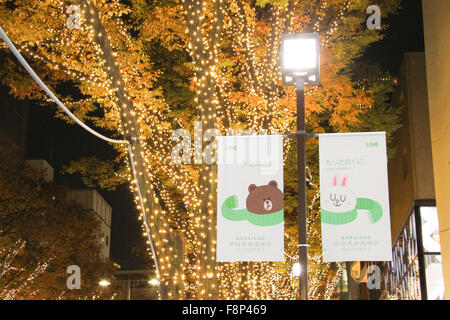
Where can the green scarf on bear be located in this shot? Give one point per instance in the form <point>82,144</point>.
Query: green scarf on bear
<point>230,212</point>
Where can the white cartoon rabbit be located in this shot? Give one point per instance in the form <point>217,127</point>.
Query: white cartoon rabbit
<point>338,197</point>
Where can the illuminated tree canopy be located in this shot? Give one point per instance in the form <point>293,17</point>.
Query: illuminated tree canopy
<point>145,68</point>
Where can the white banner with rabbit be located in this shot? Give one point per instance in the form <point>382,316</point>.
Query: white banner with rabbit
<point>250,214</point>
<point>354,197</point>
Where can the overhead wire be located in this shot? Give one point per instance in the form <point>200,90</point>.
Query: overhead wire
<point>36,78</point>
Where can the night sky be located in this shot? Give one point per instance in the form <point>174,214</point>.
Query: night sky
<point>405,34</point>
<point>58,143</point>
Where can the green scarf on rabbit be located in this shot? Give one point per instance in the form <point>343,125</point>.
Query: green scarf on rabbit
<point>338,218</point>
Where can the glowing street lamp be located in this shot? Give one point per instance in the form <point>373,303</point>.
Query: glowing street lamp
<point>296,270</point>
<point>153,282</point>
<point>300,66</point>
<point>300,58</point>
<point>104,283</point>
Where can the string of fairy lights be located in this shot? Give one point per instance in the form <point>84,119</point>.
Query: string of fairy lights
<point>132,107</point>
<point>11,293</point>
<point>253,87</point>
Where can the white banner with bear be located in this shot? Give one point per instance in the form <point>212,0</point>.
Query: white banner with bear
<point>250,215</point>
<point>354,197</point>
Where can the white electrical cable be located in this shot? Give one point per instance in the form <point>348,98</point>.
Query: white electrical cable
<point>84,126</point>
<point>51,95</point>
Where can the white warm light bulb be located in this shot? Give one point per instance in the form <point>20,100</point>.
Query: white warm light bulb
<point>299,54</point>
<point>296,269</point>
<point>104,283</point>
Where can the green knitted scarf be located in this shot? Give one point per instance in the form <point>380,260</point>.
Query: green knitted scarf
<point>337,218</point>
<point>230,212</point>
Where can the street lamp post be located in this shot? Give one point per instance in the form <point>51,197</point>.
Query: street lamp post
<point>300,65</point>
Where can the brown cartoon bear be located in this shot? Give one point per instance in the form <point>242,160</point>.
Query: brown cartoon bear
<point>264,199</point>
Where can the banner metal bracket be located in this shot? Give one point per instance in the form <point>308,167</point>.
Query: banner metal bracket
<point>301,132</point>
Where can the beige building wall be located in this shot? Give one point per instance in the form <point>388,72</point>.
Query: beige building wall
<point>411,169</point>
<point>436,15</point>
<point>90,199</point>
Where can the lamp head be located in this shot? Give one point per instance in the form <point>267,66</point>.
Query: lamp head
<point>300,58</point>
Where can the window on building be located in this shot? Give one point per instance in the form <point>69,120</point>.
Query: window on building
<point>432,253</point>
<point>416,268</point>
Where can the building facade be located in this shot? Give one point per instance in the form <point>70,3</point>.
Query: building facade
<point>416,268</point>
<point>436,16</point>
<point>87,199</point>
<point>90,199</point>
